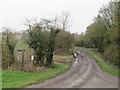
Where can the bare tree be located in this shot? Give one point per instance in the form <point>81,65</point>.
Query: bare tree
<point>65,20</point>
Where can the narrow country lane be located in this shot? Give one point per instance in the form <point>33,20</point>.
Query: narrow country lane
<point>84,73</point>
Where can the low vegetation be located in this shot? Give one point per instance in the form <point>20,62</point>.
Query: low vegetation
<point>17,79</point>
<point>105,66</point>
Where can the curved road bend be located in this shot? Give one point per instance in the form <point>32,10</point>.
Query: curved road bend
<point>84,73</point>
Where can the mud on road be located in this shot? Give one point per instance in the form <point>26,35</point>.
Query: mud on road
<point>84,73</point>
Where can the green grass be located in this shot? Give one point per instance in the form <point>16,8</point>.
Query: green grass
<point>17,79</point>
<point>106,67</point>
<point>61,57</point>
<point>0,79</point>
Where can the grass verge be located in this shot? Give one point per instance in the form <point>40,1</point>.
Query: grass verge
<point>0,79</point>
<point>108,68</point>
<point>18,79</point>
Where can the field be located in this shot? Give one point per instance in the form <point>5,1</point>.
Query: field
<point>21,44</point>
<point>105,66</point>
<point>17,79</point>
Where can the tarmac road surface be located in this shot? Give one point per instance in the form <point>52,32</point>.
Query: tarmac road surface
<point>84,73</point>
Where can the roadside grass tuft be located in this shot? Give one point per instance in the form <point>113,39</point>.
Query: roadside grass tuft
<point>18,79</point>
<point>105,66</point>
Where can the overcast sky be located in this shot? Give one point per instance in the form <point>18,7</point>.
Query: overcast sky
<point>13,13</point>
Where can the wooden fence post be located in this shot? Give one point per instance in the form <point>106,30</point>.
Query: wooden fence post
<point>22,59</point>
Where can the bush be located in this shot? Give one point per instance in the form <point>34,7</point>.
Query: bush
<point>111,54</point>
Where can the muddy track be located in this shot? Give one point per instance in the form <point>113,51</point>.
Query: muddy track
<point>84,73</point>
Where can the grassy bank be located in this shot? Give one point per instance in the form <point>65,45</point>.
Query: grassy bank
<point>17,79</point>
<point>106,67</point>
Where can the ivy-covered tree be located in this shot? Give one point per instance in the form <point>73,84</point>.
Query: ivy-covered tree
<point>42,36</point>
<point>37,41</point>
<point>51,45</point>
<point>8,46</point>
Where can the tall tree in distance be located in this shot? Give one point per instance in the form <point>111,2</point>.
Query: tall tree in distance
<point>103,33</point>
<point>64,38</point>
<point>65,20</point>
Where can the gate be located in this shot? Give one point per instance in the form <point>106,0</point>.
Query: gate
<point>23,58</point>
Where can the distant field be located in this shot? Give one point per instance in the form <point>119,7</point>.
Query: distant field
<point>106,67</point>
<point>17,79</point>
<point>21,44</point>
